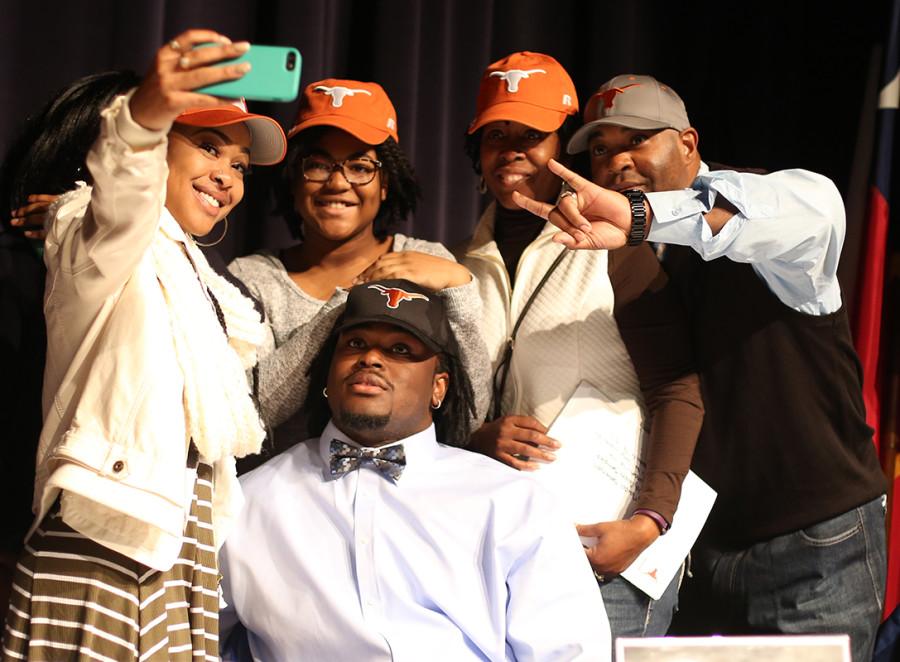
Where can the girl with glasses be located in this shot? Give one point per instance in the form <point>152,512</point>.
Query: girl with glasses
<point>346,185</point>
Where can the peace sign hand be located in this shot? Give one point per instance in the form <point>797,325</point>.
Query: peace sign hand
<point>590,217</point>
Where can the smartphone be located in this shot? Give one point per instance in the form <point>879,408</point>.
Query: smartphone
<point>274,75</point>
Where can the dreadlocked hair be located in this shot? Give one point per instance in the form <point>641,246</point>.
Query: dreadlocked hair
<point>318,413</point>
<point>398,176</point>
<point>452,420</point>
<point>472,141</point>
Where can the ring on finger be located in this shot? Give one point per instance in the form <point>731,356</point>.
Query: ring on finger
<point>174,45</point>
<point>566,194</point>
<point>184,62</point>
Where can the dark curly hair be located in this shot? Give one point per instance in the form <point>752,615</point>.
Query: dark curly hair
<point>472,142</point>
<point>451,420</point>
<point>403,191</point>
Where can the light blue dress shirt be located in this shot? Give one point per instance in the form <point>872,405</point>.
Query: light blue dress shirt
<point>790,226</point>
<point>463,558</point>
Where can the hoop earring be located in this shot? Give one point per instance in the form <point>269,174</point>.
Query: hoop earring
<point>438,405</point>
<point>325,392</point>
<point>481,186</point>
<point>217,241</point>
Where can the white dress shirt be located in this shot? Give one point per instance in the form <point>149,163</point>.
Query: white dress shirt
<point>790,227</point>
<point>463,558</point>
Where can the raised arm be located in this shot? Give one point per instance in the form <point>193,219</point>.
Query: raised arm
<point>128,166</point>
<point>789,225</point>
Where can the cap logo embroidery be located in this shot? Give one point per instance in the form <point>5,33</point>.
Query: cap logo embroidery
<point>608,96</point>
<point>512,77</point>
<point>391,124</point>
<point>567,100</point>
<point>395,296</point>
<point>338,92</point>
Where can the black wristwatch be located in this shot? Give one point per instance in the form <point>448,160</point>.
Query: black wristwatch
<point>638,216</point>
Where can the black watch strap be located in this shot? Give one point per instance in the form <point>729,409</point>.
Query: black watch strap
<point>638,231</point>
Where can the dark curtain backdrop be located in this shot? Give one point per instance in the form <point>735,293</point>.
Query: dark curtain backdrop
<point>767,84</point>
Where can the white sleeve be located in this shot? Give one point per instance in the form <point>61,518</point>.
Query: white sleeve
<point>555,610</point>
<point>790,227</point>
<point>100,250</point>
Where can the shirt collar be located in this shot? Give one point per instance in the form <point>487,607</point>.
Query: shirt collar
<point>420,448</point>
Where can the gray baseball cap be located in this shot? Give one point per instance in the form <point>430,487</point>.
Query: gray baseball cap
<point>632,101</point>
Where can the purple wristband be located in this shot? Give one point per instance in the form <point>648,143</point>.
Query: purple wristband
<point>656,517</point>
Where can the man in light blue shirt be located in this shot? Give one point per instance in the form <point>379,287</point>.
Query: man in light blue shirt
<point>795,542</point>
<point>375,541</point>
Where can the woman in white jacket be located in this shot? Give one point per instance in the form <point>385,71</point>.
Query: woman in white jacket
<point>145,398</point>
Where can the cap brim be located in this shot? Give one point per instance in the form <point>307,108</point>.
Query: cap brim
<point>542,119</point>
<point>579,141</point>
<point>268,143</point>
<point>393,321</point>
<point>365,132</point>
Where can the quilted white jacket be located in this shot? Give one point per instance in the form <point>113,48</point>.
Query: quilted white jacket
<point>568,335</point>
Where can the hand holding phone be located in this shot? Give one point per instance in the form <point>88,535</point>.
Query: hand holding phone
<point>274,75</point>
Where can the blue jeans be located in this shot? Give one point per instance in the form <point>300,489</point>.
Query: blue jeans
<point>828,578</point>
<point>632,613</point>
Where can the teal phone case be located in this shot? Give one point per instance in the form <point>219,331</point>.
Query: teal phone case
<point>274,75</point>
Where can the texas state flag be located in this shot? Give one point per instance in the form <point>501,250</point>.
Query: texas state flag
<point>870,298</point>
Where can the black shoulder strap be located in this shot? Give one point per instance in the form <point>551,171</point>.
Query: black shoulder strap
<point>502,371</point>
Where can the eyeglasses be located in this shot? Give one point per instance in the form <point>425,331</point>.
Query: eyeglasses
<point>359,171</point>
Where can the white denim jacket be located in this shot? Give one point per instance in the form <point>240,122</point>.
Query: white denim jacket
<point>114,438</point>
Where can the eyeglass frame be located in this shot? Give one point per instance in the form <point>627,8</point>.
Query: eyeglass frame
<point>335,165</point>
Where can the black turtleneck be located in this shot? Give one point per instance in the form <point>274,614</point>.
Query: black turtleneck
<point>514,229</point>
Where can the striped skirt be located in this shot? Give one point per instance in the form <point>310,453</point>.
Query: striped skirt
<point>73,599</point>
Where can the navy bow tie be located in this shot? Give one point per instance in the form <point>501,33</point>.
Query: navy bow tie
<point>344,458</point>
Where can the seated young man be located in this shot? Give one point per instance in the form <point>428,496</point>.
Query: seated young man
<point>377,541</point>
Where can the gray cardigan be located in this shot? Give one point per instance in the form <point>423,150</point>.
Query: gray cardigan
<point>299,324</point>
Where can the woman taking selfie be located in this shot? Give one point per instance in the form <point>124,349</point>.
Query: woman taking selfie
<point>146,402</point>
<point>346,185</point>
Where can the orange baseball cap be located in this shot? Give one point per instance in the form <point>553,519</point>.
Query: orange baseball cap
<point>267,142</point>
<point>361,109</point>
<point>526,87</point>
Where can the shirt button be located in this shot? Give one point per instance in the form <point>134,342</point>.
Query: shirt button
<point>118,465</point>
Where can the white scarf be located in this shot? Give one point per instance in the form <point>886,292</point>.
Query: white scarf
<point>220,415</point>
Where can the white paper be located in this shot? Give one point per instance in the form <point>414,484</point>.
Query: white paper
<point>655,567</point>
<point>597,474</point>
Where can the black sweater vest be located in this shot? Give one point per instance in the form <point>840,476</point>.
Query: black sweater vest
<point>784,441</point>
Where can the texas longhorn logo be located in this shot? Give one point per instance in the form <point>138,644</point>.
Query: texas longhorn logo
<point>338,92</point>
<point>608,96</point>
<point>395,296</point>
<point>513,76</point>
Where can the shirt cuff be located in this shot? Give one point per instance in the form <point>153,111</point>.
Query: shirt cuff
<point>677,216</point>
<point>132,133</point>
